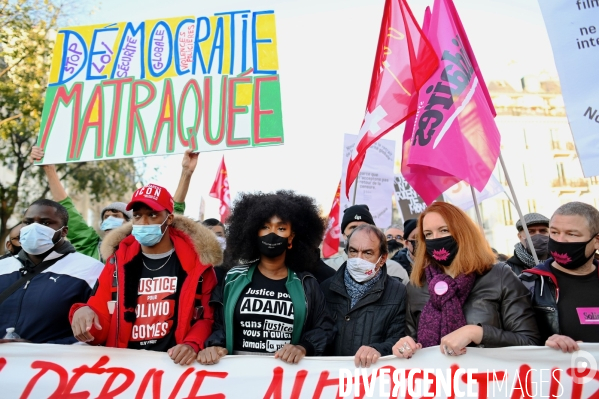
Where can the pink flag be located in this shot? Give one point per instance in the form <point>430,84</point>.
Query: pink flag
<point>404,61</point>
<point>220,190</point>
<point>453,136</point>
<point>330,244</point>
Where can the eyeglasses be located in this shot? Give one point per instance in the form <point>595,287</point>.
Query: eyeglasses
<point>391,237</point>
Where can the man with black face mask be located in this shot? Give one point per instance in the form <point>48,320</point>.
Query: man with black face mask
<point>13,245</point>
<point>39,285</point>
<point>565,288</point>
<point>538,228</point>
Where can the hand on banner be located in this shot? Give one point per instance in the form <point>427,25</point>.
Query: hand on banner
<point>365,356</point>
<point>37,154</point>
<point>83,320</point>
<point>211,355</point>
<point>190,161</point>
<point>405,347</point>
<point>182,354</point>
<point>563,343</point>
<point>291,353</point>
<point>454,344</point>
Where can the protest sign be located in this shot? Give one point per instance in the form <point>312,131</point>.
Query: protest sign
<point>409,203</point>
<point>572,27</point>
<point>159,87</point>
<point>61,371</point>
<point>460,194</point>
<point>375,181</point>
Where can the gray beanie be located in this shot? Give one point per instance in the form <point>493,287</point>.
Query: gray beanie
<point>117,206</point>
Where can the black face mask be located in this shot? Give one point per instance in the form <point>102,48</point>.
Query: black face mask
<point>539,242</point>
<point>414,244</point>
<point>272,245</point>
<point>393,245</point>
<point>443,249</point>
<point>569,255</point>
<point>15,250</point>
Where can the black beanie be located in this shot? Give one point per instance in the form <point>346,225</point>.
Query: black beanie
<point>356,213</point>
<point>408,227</point>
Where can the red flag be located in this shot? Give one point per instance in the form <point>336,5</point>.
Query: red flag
<point>220,190</point>
<point>330,244</point>
<point>404,61</point>
<point>453,136</point>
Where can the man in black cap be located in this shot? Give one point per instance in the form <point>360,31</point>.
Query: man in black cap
<point>538,228</point>
<point>405,256</point>
<point>353,217</point>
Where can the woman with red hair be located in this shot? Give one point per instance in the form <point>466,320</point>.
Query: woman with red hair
<point>457,295</point>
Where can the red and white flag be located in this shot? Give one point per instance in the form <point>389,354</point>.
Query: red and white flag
<point>330,244</point>
<point>404,61</point>
<point>453,135</point>
<point>220,190</point>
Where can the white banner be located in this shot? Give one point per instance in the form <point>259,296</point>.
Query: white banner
<point>57,371</point>
<point>573,30</point>
<point>375,181</point>
<point>460,194</point>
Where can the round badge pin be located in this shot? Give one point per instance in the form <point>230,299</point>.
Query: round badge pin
<point>441,288</point>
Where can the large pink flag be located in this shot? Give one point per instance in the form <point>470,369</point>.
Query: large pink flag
<point>404,61</point>
<point>453,136</point>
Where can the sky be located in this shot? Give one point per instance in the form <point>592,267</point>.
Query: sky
<point>326,50</point>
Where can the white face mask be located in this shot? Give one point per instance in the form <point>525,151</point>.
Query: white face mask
<point>222,241</point>
<point>36,238</point>
<point>361,270</point>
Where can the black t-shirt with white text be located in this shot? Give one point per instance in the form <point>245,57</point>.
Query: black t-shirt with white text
<point>157,304</point>
<point>263,316</point>
<point>578,305</point>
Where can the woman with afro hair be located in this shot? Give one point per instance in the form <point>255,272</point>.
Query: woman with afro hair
<point>270,304</point>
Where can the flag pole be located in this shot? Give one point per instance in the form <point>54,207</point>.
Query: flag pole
<point>478,217</point>
<point>517,205</point>
<point>353,202</point>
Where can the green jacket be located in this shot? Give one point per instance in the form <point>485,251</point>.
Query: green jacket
<point>240,277</point>
<point>85,238</point>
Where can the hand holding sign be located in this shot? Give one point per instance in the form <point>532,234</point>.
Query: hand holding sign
<point>211,355</point>
<point>291,353</point>
<point>83,321</point>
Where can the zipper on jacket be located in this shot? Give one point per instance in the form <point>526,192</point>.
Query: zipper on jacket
<point>549,308</point>
<point>116,306</point>
<point>306,301</point>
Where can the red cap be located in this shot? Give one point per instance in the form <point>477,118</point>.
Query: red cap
<point>156,197</point>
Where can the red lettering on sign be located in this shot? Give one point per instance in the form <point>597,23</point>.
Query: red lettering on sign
<point>44,367</point>
<point>197,384</point>
<point>523,383</point>
<point>323,382</point>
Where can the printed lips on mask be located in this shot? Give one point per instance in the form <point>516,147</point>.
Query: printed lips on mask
<point>569,255</point>
<point>443,249</point>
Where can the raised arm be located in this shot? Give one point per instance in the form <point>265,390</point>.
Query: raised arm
<point>56,189</point>
<point>188,166</point>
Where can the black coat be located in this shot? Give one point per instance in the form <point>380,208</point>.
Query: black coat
<point>377,320</point>
<point>516,264</point>
<point>401,257</point>
<point>498,302</point>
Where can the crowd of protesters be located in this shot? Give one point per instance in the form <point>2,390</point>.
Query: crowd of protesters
<point>156,280</point>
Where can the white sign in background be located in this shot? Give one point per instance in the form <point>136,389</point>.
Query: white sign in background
<point>573,28</point>
<point>75,371</point>
<point>375,181</point>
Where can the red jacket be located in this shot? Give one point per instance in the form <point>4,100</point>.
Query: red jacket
<point>197,249</point>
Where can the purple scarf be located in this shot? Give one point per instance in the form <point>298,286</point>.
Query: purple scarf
<point>443,314</point>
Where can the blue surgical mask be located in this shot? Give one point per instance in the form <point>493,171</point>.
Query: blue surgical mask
<point>111,222</point>
<point>37,239</point>
<point>148,235</point>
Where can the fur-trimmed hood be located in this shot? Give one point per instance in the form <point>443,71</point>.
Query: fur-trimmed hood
<point>205,242</point>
